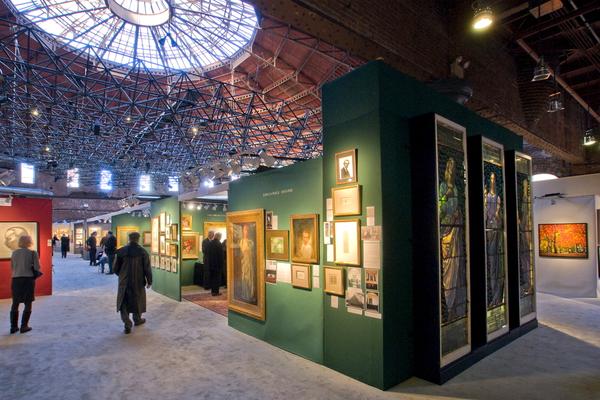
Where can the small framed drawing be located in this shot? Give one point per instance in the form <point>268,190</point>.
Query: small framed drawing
<point>163,222</point>
<point>301,277</point>
<point>186,222</point>
<point>162,245</point>
<point>147,241</point>
<point>155,234</point>
<point>168,264</point>
<point>168,232</point>
<point>173,250</point>
<point>346,242</point>
<point>278,245</point>
<point>345,164</point>
<point>174,265</point>
<point>305,238</point>
<point>346,200</point>
<point>334,280</point>
<point>174,232</point>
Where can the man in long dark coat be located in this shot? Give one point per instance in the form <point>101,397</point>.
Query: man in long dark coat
<point>215,263</point>
<point>205,260</point>
<point>64,245</point>
<point>133,267</point>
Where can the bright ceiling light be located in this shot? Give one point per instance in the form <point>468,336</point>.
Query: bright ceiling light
<point>589,138</point>
<point>543,177</point>
<point>483,18</point>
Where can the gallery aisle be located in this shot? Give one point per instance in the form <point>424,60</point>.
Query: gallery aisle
<point>77,351</point>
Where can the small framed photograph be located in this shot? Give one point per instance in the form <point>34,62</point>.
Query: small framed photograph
<point>346,200</point>
<point>345,163</point>
<point>147,239</point>
<point>372,278</point>
<point>346,243</point>
<point>173,250</point>
<point>334,281</point>
<point>301,277</point>
<point>278,245</point>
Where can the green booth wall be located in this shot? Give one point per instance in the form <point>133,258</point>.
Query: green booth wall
<point>294,317</point>
<point>142,223</point>
<point>370,109</point>
<point>164,282</point>
<point>199,217</point>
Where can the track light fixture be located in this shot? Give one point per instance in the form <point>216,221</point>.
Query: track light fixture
<point>483,16</point>
<point>589,138</point>
<point>555,102</point>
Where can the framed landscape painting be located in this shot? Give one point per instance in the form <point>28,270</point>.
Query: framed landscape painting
<point>277,245</point>
<point>10,232</point>
<point>305,238</point>
<point>563,240</point>
<point>123,234</point>
<point>246,263</point>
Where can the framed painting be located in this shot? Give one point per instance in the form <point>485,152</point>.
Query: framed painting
<point>278,245</point>
<point>186,222</point>
<point>123,234</point>
<point>173,250</point>
<point>190,244</point>
<point>163,245</point>
<point>168,232</point>
<point>146,238</point>
<point>154,249</point>
<point>346,200</point>
<point>167,261</point>
<point>174,265</point>
<point>346,242</point>
<point>163,222</point>
<point>174,228</point>
<point>219,227</point>
<point>246,263</point>
<point>269,219</point>
<point>334,281</point>
<point>563,240</point>
<point>305,238</point>
<point>97,229</point>
<point>345,167</point>
<point>10,232</point>
<point>301,277</point>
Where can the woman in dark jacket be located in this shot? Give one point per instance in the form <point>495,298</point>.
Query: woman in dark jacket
<point>23,262</point>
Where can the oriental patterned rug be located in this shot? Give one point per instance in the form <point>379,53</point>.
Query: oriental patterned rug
<point>216,304</point>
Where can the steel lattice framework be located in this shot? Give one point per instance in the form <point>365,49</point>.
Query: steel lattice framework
<point>94,115</point>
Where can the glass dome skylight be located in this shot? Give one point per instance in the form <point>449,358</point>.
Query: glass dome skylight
<point>160,34</point>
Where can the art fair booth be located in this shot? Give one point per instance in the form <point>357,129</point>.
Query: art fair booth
<point>405,251</point>
<point>567,215</point>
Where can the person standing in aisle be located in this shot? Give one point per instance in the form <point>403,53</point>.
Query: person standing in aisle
<point>24,265</point>
<point>54,241</point>
<point>110,249</point>
<point>205,260</point>
<point>91,244</point>
<point>64,245</point>
<point>135,275</point>
<point>215,263</point>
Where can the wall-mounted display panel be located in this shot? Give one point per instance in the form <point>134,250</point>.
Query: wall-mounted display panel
<point>246,263</point>
<point>527,305</point>
<point>495,239</point>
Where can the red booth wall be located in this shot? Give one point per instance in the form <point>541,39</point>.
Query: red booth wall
<point>30,210</point>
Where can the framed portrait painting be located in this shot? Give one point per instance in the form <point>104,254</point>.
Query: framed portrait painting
<point>563,240</point>
<point>155,234</point>
<point>123,234</point>
<point>190,244</point>
<point>346,200</point>
<point>10,232</point>
<point>278,245</point>
<point>305,238</point>
<point>216,226</point>
<point>334,281</point>
<point>346,242</point>
<point>246,263</point>
<point>301,277</point>
<point>345,164</point>
<point>186,222</point>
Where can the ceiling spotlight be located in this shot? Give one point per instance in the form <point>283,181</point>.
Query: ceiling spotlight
<point>128,119</point>
<point>194,130</point>
<point>199,207</point>
<point>34,112</point>
<point>483,17</point>
<point>47,149</point>
<point>209,183</point>
<point>214,207</point>
<point>541,71</point>
<point>555,102</point>
<point>589,138</point>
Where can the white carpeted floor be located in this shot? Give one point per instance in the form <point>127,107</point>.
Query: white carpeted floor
<point>77,351</point>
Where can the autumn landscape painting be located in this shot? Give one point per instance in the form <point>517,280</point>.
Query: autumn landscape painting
<point>563,240</point>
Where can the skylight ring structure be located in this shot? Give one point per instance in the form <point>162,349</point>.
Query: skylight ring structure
<point>164,36</point>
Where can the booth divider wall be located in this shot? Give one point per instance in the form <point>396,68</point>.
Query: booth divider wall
<point>38,211</point>
<point>294,317</point>
<point>166,282</point>
<point>198,219</point>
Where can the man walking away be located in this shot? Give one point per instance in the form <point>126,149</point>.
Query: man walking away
<point>215,263</point>
<point>64,245</point>
<point>110,248</point>
<point>91,244</point>
<point>135,275</point>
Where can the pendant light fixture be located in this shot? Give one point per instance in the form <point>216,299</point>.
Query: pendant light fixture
<point>483,16</point>
<point>541,72</point>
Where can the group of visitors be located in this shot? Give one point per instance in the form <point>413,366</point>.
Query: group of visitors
<point>132,266</point>
<point>214,254</point>
<point>102,253</point>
